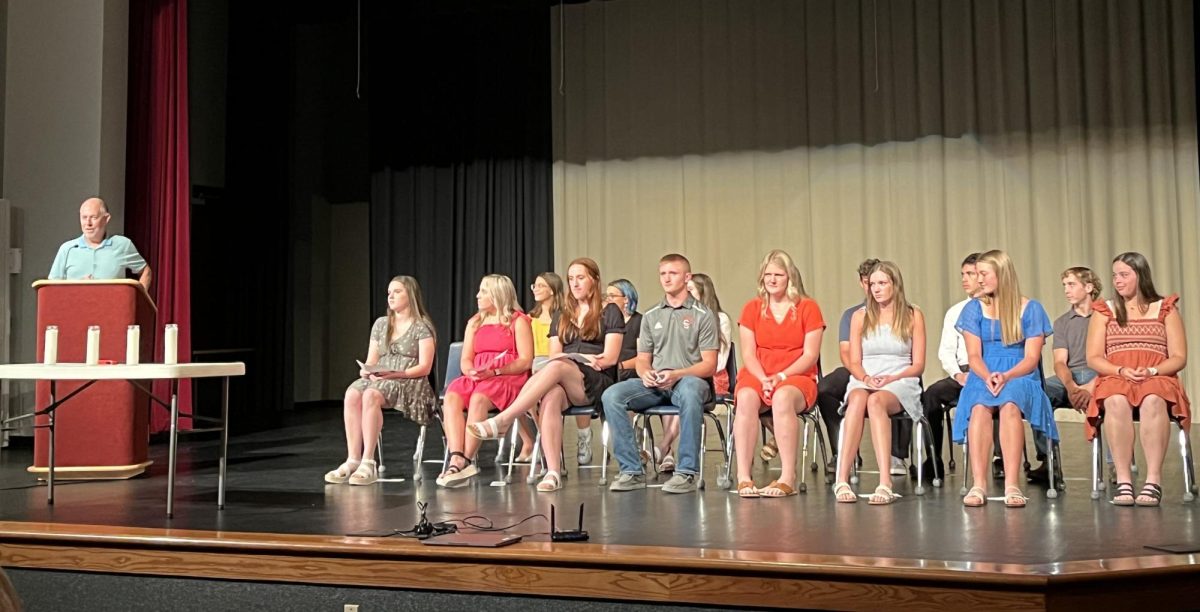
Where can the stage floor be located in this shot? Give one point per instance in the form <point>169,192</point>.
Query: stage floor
<point>275,486</point>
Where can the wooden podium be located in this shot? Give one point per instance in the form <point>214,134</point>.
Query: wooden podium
<point>103,431</point>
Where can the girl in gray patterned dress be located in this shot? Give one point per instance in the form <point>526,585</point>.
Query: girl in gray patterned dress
<point>403,343</point>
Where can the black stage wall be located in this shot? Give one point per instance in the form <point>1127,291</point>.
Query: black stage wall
<point>460,150</point>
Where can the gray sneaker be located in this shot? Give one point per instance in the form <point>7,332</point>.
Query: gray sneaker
<point>628,482</point>
<point>680,483</point>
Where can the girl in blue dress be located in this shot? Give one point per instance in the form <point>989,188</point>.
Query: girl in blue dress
<point>1004,333</point>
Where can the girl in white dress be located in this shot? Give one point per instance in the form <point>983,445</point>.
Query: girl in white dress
<point>887,356</point>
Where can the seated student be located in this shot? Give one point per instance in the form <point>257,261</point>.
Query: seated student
<point>700,287</point>
<point>677,357</point>
<point>1073,381</point>
<point>582,329</point>
<point>1138,346</point>
<point>887,356</point>
<point>780,336</point>
<point>496,355</point>
<point>831,390</point>
<point>548,300</point>
<point>1005,332</point>
<point>403,343</point>
<point>952,352</point>
<point>624,295</point>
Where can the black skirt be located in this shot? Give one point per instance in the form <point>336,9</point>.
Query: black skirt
<point>595,381</point>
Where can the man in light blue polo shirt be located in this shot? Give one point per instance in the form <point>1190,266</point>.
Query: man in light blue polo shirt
<point>676,360</point>
<point>95,254</point>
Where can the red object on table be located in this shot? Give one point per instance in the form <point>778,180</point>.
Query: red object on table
<point>103,431</point>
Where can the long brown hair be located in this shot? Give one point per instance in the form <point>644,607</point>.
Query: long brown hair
<point>589,329</point>
<point>1145,287</point>
<point>416,306</point>
<point>559,300</point>
<point>902,311</point>
<point>1007,297</point>
<point>708,297</point>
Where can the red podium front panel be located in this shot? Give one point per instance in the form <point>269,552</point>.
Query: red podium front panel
<point>103,431</point>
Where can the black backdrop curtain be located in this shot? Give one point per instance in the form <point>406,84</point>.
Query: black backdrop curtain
<point>458,98</point>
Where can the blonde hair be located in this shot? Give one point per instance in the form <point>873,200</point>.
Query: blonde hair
<point>1007,297</point>
<point>416,306</point>
<point>795,288</point>
<point>902,311</point>
<point>503,296</point>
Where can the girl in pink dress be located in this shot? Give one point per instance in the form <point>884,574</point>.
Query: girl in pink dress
<point>496,357</point>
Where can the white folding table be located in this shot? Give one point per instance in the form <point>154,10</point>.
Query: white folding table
<point>134,374</point>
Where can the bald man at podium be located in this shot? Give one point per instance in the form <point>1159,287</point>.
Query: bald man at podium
<point>95,254</point>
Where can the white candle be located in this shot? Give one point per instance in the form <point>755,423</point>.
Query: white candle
<point>133,337</point>
<point>171,344</point>
<point>93,345</point>
<point>50,349</point>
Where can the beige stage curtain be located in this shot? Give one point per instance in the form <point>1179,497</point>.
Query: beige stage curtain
<point>1062,132</point>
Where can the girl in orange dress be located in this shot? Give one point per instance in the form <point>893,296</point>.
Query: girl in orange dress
<point>1137,345</point>
<point>780,335</point>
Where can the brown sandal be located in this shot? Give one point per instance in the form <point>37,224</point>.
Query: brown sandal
<point>777,489</point>
<point>746,489</point>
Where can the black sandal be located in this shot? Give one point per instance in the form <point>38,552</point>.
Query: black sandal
<point>454,473</point>
<point>1153,491</point>
<point>1123,489</point>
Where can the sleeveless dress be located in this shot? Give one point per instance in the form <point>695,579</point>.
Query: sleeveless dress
<point>883,353</point>
<point>491,341</point>
<point>412,397</point>
<point>1142,343</point>
<point>1025,391</point>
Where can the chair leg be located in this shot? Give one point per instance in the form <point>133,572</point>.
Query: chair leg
<point>1097,470</point>
<point>604,452</point>
<point>703,434</point>
<point>1189,470</point>
<point>966,455</point>
<point>379,452</point>
<point>938,477</point>
<point>763,433</point>
<point>723,480</point>
<point>418,454</point>
<point>1051,448</point>
<point>533,459</point>
<point>512,449</point>
<point>648,439</point>
<point>803,486</point>
<point>819,438</point>
<point>919,441</point>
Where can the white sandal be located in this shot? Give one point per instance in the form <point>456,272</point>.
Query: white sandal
<point>550,483</point>
<point>343,472</point>
<point>365,474</point>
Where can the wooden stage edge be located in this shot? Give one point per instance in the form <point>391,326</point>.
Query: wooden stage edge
<point>598,571</point>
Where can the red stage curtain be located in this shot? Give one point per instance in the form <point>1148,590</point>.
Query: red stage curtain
<point>157,182</point>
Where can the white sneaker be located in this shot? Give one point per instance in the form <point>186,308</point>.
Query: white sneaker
<point>899,467</point>
<point>583,450</point>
